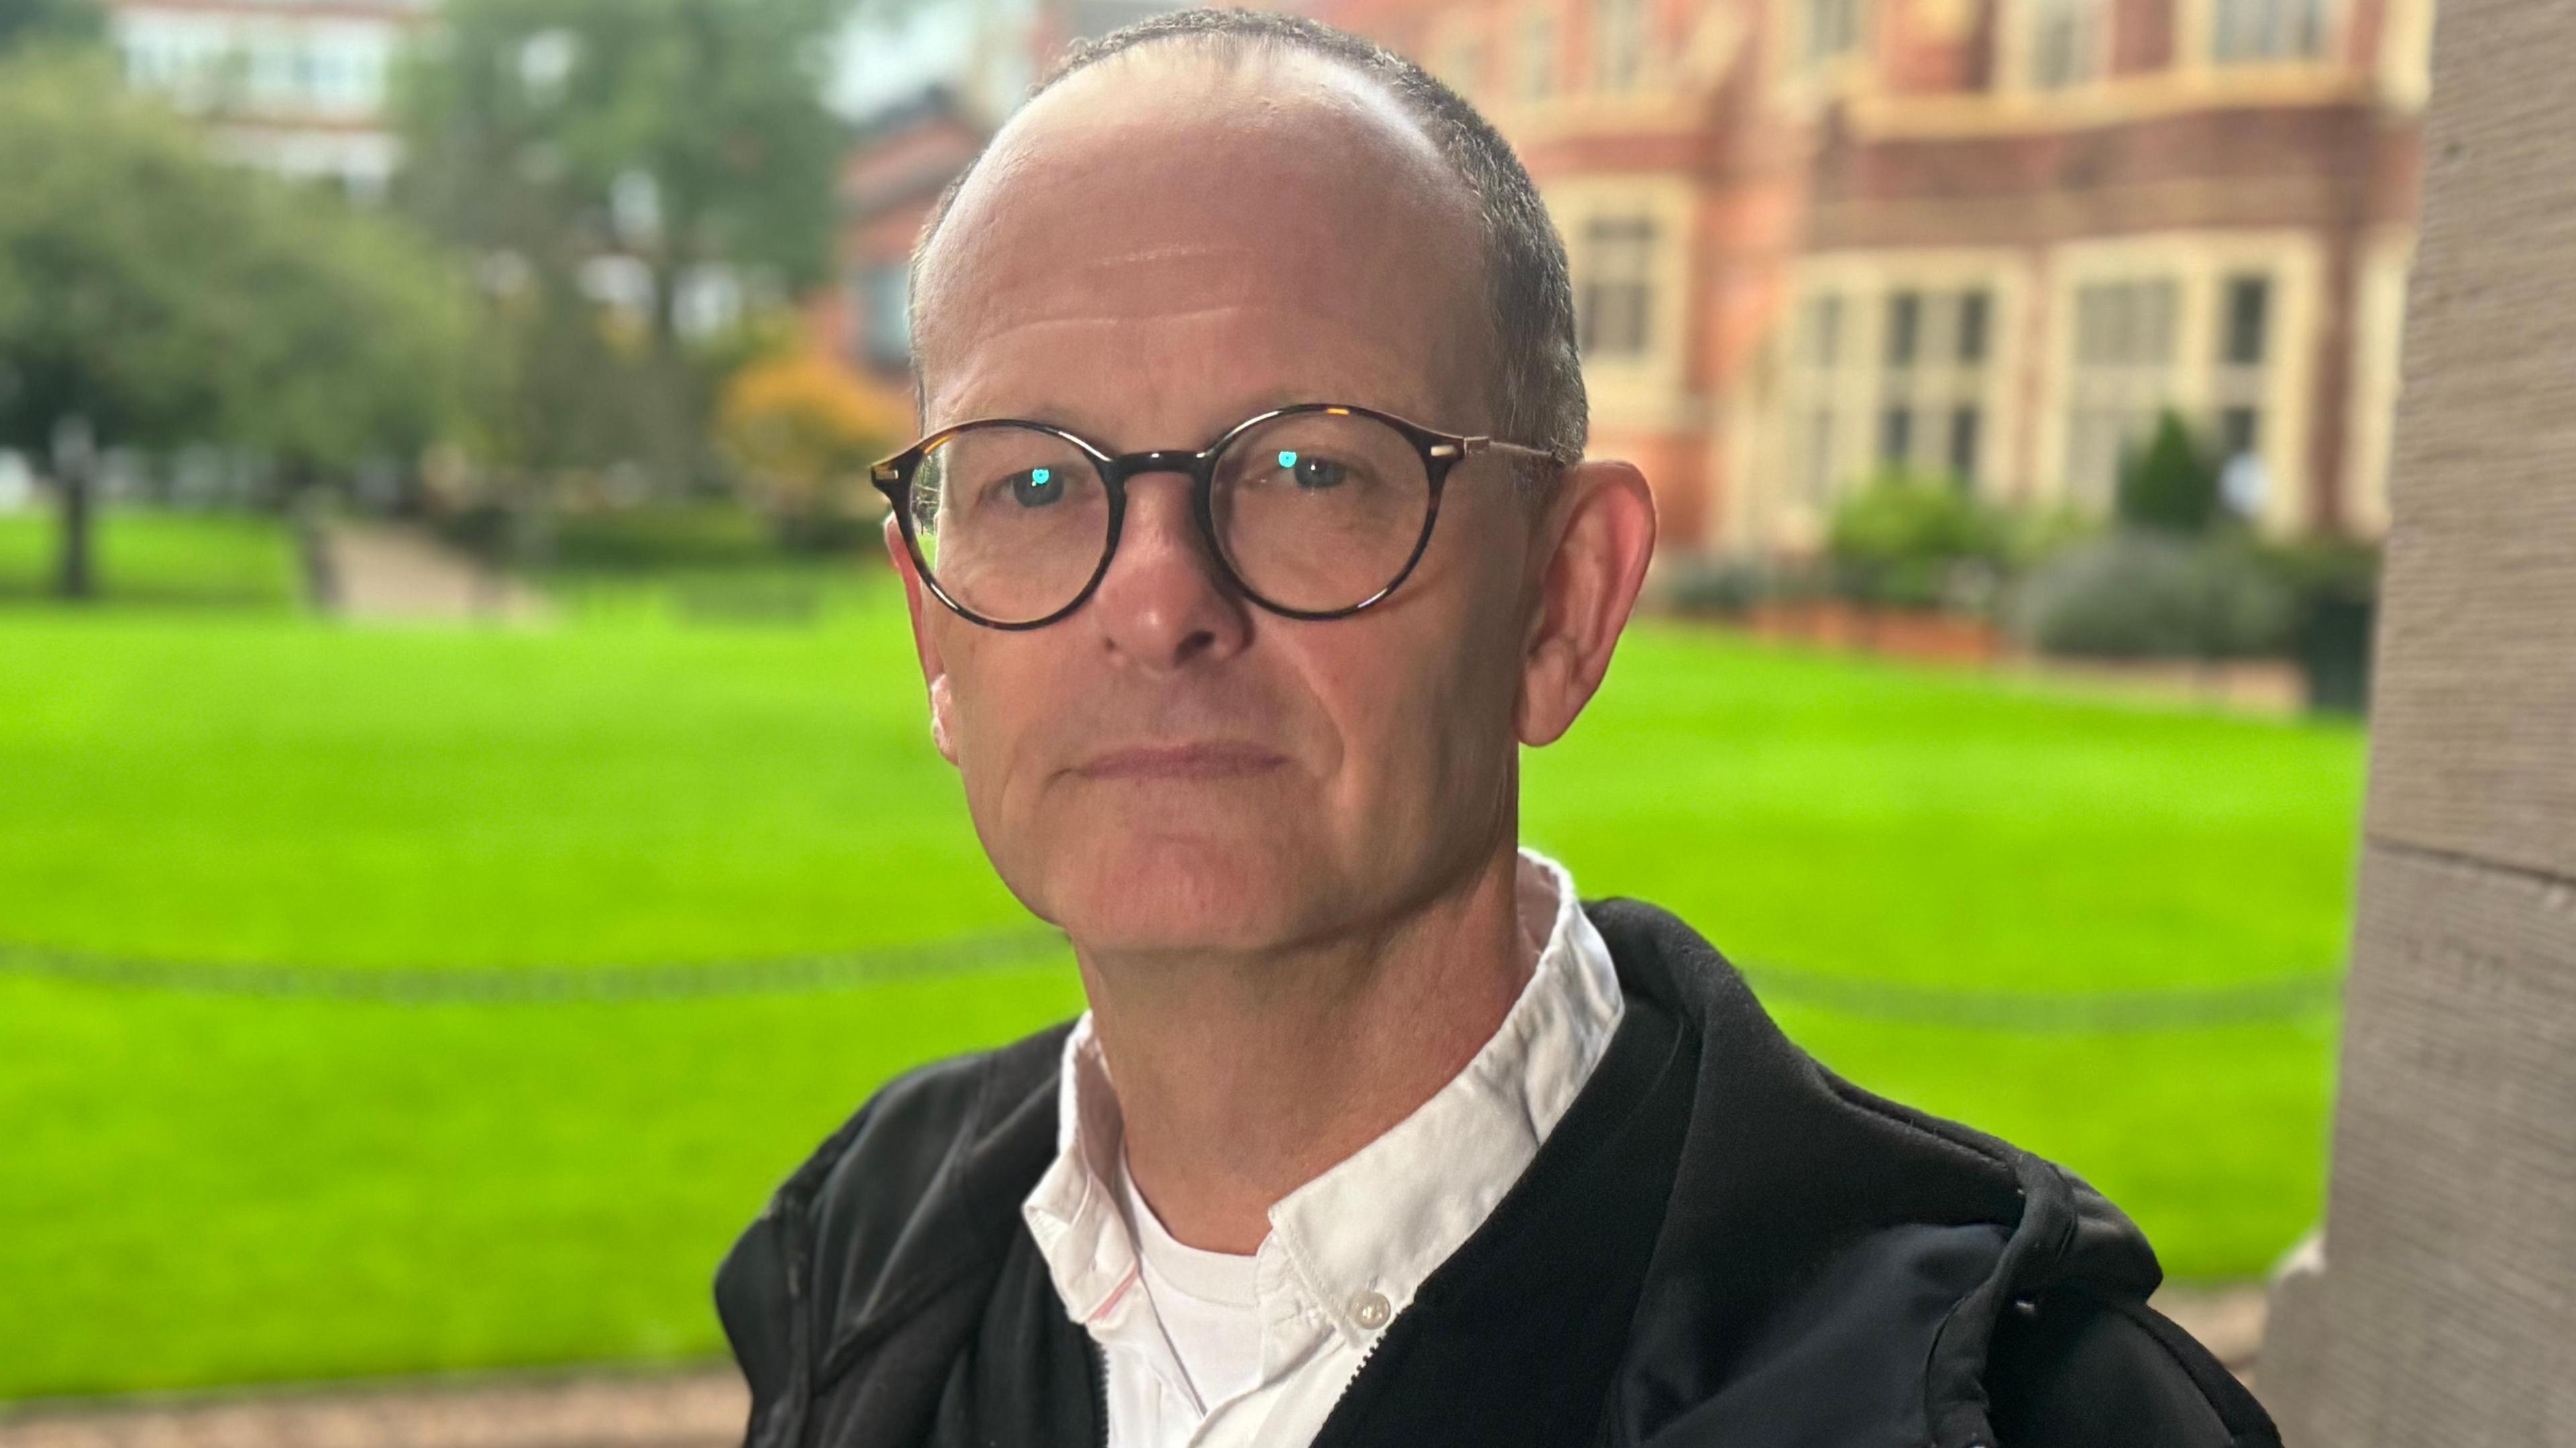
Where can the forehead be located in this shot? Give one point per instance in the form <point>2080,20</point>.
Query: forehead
<point>1172,233</point>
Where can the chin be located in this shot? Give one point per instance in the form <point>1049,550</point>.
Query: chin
<point>1162,888</point>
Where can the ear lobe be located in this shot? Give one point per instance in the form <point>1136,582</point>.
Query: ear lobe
<point>919,606</point>
<point>1588,587</point>
<point>942,702</point>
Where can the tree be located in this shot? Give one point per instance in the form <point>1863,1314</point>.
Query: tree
<point>151,296</point>
<point>2171,484</point>
<point>37,22</point>
<point>802,428</point>
<point>572,141</point>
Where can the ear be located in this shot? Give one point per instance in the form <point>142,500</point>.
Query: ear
<point>924,610</point>
<point>1598,540</point>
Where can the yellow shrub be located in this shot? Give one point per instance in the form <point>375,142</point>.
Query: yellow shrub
<point>802,428</point>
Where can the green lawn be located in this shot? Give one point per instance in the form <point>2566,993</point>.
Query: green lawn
<point>159,558</point>
<point>200,1189</point>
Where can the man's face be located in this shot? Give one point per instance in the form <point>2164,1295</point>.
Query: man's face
<point>1154,250</point>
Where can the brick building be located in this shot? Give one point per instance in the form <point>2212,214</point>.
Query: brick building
<point>1990,238</point>
<point>902,160</point>
<point>1987,238</point>
<point>956,84</point>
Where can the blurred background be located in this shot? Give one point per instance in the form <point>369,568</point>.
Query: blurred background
<point>467,825</point>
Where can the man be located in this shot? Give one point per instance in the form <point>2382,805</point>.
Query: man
<point>1249,540</point>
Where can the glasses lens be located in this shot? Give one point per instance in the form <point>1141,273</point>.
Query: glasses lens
<point>1011,521</point>
<point>1318,511</point>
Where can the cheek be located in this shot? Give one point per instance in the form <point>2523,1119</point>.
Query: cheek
<point>1423,700</point>
<point>991,687</point>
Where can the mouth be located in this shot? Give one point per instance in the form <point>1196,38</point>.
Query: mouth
<point>1212,760</point>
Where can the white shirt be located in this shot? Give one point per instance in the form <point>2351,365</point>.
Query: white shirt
<point>1211,1350</point>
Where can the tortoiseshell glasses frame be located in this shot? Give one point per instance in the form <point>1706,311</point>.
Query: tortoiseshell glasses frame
<point>1438,453</point>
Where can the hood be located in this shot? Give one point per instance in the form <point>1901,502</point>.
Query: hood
<point>1834,1267</point>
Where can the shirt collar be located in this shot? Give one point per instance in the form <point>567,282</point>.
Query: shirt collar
<point>1360,1238</point>
<point>1377,1223</point>
<point>1073,1212</point>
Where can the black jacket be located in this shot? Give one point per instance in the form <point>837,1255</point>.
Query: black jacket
<point>1721,1243</point>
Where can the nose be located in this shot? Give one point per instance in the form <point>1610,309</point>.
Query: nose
<point>1165,604</point>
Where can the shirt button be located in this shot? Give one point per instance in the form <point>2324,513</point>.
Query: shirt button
<point>1371,1310</point>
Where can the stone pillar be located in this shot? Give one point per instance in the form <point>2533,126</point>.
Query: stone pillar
<point>2445,1309</point>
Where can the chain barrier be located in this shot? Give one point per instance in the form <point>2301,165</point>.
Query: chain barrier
<point>542,984</point>
<point>2110,1012</point>
<point>2183,1008</point>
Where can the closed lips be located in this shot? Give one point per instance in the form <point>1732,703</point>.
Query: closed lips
<point>1181,761</point>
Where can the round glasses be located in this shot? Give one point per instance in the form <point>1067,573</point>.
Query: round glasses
<point>1314,511</point>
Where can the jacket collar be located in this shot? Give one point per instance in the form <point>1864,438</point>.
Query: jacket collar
<point>1776,1168</point>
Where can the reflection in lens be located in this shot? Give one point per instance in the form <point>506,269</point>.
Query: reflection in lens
<point>1011,520</point>
<point>1319,511</point>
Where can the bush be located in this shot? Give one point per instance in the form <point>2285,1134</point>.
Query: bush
<point>2150,595</point>
<point>800,430</point>
<point>2336,587</point>
<point>2171,484</point>
<point>1720,585</point>
<point>1910,541</point>
<point>2031,535</point>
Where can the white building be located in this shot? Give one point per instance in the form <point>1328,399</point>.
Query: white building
<point>294,86</point>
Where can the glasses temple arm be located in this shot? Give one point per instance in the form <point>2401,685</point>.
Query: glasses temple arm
<point>1474,445</point>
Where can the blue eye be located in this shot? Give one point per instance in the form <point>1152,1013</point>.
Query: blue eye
<point>1035,488</point>
<point>1311,473</point>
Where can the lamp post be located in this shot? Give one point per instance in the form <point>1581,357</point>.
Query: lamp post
<point>75,465</point>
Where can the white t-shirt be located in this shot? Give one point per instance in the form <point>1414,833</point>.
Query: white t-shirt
<point>1209,1302</point>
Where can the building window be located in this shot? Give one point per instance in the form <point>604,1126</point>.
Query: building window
<point>1615,303</point>
<point>2244,347</point>
<point>2259,30</point>
<point>885,314</point>
<point>1538,56</point>
<point>2248,304</point>
<point>1832,29</point>
<point>1618,43</point>
<point>1933,385</point>
<point>2065,42</point>
<point>1895,436</point>
<point>1815,383</point>
<point>1973,307</point>
<point>1904,328</point>
<point>1966,422</point>
<point>2120,377</point>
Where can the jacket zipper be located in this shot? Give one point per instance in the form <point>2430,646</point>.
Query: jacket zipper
<point>1100,1388</point>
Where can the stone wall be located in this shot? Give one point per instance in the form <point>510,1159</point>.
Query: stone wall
<point>2446,1308</point>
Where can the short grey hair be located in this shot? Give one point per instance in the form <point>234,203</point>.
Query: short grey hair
<point>1537,389</point>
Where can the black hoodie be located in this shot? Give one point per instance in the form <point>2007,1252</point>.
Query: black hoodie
<point>1721,1245</point>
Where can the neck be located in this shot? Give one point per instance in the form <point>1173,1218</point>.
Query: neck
<point>1245,1077</point>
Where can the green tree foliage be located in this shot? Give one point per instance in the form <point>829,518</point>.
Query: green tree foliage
<point>168,298</point>
<point>36,22</point>
<point>163,298</point>
<point>1913,541</point>
<point>678,135</point>
<point>2171,484</point>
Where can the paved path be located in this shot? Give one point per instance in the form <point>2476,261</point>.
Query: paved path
<point>2227,1320</point>
<point>395,571</point>
<point>699,1409</point>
